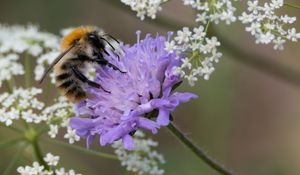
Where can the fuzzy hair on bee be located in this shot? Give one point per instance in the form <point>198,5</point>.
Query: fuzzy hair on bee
<point>82,46</point>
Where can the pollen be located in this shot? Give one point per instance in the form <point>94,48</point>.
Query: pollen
<point>74,35</point>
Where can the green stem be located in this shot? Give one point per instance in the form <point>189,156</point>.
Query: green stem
<point>207,26</point>
<point>38,154</point>
<point>10,142</point>
<point>292,5</point>
<point>199,152</point>
<point>14,160</point>
<point>27,70</point>
<point>84,150</point>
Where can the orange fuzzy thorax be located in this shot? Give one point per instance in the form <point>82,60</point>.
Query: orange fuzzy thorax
<point>76,34</point>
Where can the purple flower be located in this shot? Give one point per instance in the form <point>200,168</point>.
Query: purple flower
<point>145,87</point>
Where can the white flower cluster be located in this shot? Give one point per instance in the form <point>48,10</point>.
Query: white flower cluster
<point>58,117</point>
<point>142,160</point>
<point>200,53</point>
<point>213,10</point>
<point>145,7</point>
<point>266,26</point>
<point>9,66</point>
<point>23,104</point>
<point>37,169</point>
<point>18,41</point>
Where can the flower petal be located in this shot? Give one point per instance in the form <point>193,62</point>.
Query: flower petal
<point>117,132</point>
<point>163,117</point>
<point>128,142</point>
<point>148,124</point>
<point>183,97</point>
<point>81,125</point>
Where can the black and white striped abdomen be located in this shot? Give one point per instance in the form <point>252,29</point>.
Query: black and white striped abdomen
<point>69,85</point>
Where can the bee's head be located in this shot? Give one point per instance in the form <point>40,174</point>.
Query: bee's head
<point>95,40</point>
<point>80,34</point>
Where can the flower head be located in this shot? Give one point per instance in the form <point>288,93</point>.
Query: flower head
<point>144,89</point>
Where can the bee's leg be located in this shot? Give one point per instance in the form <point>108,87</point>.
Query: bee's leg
<point>108,43</point>
<point>101,61</point>
<point>84,79</point>
<point>105,51</point>
<point>112,37</point>
<point>105,62</point>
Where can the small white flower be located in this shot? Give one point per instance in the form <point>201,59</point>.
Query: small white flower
<point>170,46</point>
<point>71,135</point>
<point>51,159</point>
<point>278,43</point>
<point>191,79</point>
<point>199,33</point>
<point>202,18</point>
<point>24,170</point>
<point>254,28</point>
<point>293,35</point>
<point>53,131</point>
<point>183,36</point>
<point>186,63</point>
<point>36,168</point>
<point>252,6</point>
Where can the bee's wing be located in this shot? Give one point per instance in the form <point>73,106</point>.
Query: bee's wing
<point>60,56</point>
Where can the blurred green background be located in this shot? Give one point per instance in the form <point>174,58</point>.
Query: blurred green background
<point>245,117</point>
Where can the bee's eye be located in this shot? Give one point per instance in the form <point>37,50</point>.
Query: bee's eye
<point>93,36</point>
<point>95,41</point>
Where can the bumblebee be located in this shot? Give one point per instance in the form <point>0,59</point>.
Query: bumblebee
<point>82,46</point>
